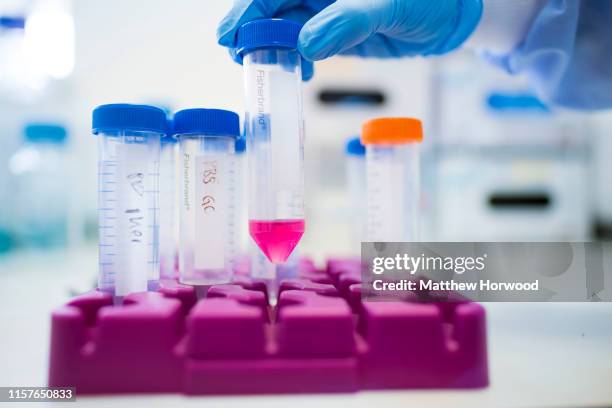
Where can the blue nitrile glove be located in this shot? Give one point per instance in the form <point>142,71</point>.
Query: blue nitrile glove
<point>567,54</point>
<point>368,28</point>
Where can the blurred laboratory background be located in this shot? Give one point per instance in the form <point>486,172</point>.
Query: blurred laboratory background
<point>497,165</point>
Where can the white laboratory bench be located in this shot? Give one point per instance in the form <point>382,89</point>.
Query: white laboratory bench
<point>540,354</point>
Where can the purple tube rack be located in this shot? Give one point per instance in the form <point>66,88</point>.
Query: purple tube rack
<point>320,338</point>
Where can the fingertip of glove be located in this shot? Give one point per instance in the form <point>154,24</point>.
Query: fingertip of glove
<point>305,53</point>
<point>225,37</point>
<point>232,52</point>
<point>307,71</point>
<point>307,47</point>
<point>314,53</point>
<point>318,40</point>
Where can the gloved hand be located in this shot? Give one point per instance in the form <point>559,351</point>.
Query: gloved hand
<point>367,28</point>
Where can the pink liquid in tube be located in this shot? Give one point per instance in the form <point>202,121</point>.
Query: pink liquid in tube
<point>276,238</point>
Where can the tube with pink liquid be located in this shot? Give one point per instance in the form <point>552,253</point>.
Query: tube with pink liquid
<point>275,134</point>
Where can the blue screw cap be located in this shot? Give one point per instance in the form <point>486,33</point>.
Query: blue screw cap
<point>124,116</point>
<point>267,33</point>
<point>214,122</point>
<point>354,147</point>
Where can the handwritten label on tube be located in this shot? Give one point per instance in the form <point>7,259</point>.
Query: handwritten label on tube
<point>211,207</point>
<point>132,219</point>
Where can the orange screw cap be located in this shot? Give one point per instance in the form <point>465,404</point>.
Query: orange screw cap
<point>392,131</point>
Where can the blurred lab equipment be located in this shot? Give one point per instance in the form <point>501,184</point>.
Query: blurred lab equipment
<point>49,43</point>
<point>206,140</point>
<point>13,75</point>
<point>41,187</point>
<point>393,178</point>
<point>128,195</point>
<point>37,48</point>
<point>497,195</point>
<point>12,22</point>
<point>602,151</point>
<point>506,166</point>
<point>275,134</point>
<point>168,218</point>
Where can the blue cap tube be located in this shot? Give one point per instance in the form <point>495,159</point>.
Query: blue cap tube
<point>275,134</point>
<point>354,147</point>
<point>207,194</point>
<point>356,184</point>
<point>272,33</point>
<point>128,196</point>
